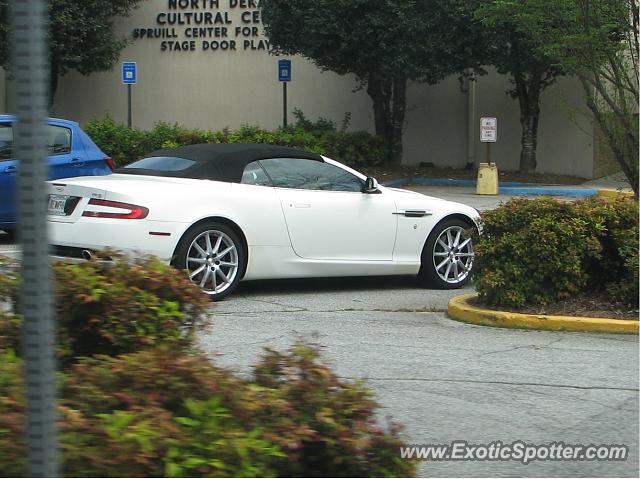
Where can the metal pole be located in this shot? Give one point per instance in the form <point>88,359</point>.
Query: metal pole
<point>284,104</point>
<point>129,122</point>
<point>471,121</point>
<point>31,99</point>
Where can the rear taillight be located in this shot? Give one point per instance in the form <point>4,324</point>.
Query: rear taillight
<point>110,163</point>
<point>108,210</point>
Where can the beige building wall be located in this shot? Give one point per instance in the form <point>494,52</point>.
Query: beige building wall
<point>437,118</point>
<point>217,89</point>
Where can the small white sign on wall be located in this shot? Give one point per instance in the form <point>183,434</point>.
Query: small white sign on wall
<point>488,129</point>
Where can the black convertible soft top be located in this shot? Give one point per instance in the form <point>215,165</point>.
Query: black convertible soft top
<point>219,162</point>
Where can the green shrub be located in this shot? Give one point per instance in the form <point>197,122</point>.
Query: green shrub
<point>294,138</point>
<point>12,443</point>
<point>325,425</point>
<point>163,413</point>
<point>321,126</point>
<point>625,290</point>
<point>539,251</point>
<point>126,145</point>
<point>357,149</point>
<point>112,309</point>
<point>9,322</point>
<point>10,325</point>
<point>617,272</point>
<point>214,444</point>
<point>121,143</point>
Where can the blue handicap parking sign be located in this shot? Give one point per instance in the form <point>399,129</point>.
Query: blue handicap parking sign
<point>284,70</point>
<point>129,73</point>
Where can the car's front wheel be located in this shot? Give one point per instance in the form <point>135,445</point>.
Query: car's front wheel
<point>213,257</point>
<point>447,257</point>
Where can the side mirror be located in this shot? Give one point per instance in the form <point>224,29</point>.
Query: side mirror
<point>370,185</point>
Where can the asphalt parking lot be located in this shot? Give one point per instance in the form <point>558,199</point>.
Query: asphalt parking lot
<point>461,194</point>
<point>445,380</point>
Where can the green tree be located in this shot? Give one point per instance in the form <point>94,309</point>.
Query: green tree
<point>384,43</point>
<point>597,41</point>
<point>81,36</point>
<point>514,51</point>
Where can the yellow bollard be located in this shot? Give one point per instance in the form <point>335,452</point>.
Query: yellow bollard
<point>487,179</point>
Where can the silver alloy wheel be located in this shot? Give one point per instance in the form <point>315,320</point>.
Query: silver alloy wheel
<point>453,255</point>
<point>212,261</point>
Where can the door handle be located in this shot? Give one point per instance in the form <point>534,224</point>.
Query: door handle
<point>10,170</point>
<point>76,162</point>
<point>413,213</point>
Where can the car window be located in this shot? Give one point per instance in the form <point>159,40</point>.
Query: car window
<point>58,140</point>
<point>162,163</point>
<point>254,174</point>
<point>6,141</point>
<point>310,175</point>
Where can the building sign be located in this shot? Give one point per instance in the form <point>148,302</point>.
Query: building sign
<point>488,129</point>
<point>206,26</point>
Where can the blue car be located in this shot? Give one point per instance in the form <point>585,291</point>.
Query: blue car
<point>70,153</point>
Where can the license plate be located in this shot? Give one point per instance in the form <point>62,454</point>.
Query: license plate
<point>57,204</point>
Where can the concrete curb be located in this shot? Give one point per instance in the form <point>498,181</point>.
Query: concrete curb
<point>460,310</point>
<point>505,188</point>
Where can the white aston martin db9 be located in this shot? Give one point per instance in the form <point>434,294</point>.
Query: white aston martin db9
<point>231,212</point>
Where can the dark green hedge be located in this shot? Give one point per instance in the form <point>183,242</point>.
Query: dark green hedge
<point>125,145</point>
<point>539,251</point>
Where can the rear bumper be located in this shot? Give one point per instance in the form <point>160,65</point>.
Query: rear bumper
<point>137,237</point>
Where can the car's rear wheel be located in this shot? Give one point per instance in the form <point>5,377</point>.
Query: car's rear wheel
<point>447,257</point>
<point>213,257</point>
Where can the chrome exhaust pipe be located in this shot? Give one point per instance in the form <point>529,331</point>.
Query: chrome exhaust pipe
<point>86,254</point>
